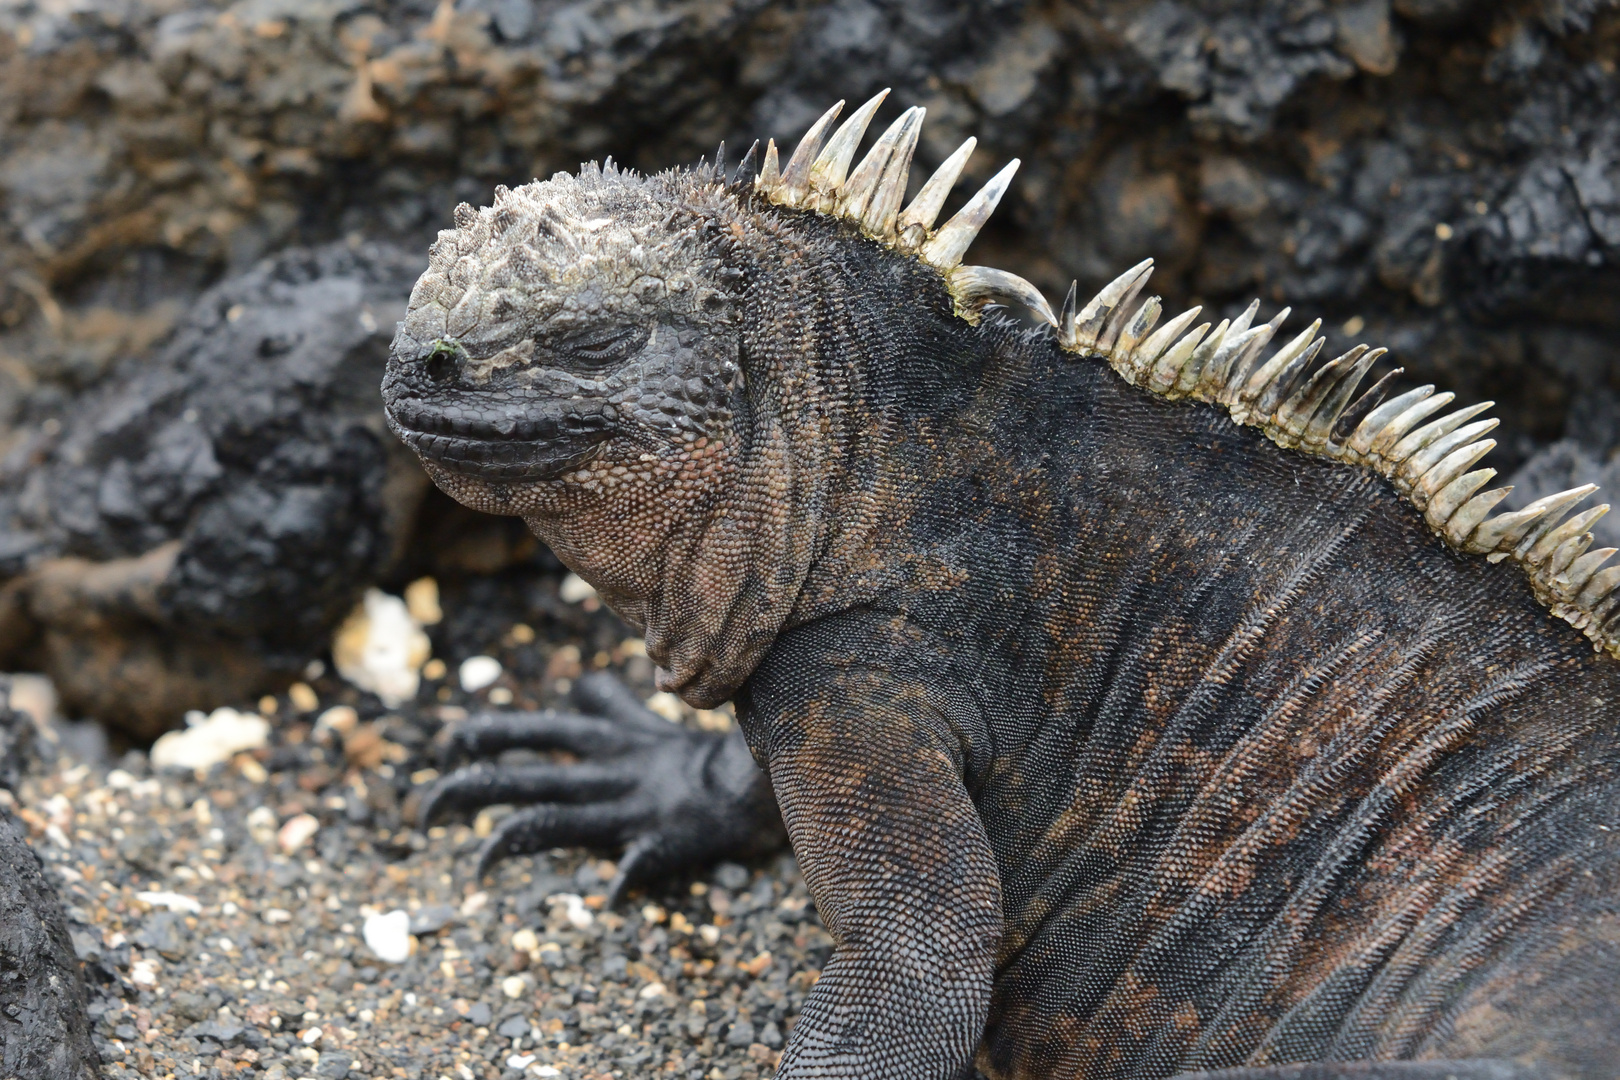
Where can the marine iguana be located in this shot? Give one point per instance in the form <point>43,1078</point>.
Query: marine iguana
<point>1135,702</point>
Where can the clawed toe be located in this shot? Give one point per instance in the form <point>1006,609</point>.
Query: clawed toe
<point>483,784</point>
<point>487,734</point>
<point>537,828</point>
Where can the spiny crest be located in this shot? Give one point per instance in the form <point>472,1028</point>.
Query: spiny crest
<point>1429,461</point>
<point>818,177</point>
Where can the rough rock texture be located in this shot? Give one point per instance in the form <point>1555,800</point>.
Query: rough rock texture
<point>202,519</point>
<point>44,1032</point>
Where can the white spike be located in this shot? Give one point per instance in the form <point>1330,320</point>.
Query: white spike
<point>1549,542</point>
<point>1397,428</point>
<point>1145,319</point>
<point>770,176</point>
<point>1448,497</point>
<point>795,183</point>
<point>1154,347</point>
<point>873,193</point>
<point>974,286</point>
<point>1374,423</point>
<point>918,218</point>
<point>1581,570</point>
<point>1564,555</point>
<point>1449,466</point>
<point>1088,325</point>
<point>1434,430</point>
<point>1267,372</point>
<point>1295,411</point>
<point>1505,530</point>
<point>947,246</point>
<point>1192,370</point>
<point>1602,584</point>
<point>1414,467</point>
<point>832,164</point>
<point>1472,512</point>
<point>1167,368</point>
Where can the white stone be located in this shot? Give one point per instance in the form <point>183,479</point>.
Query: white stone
<point>520,1061</point>
<point>389,936</point>
<point>575,590</point>
<point>211,740</point>
<point>478,672</point>
<point>172,900</point>
<point>514,987</point>
<point>381,648</point>
<point>296,831</point>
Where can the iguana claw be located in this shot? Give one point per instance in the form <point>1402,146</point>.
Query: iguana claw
<point>670,796</point>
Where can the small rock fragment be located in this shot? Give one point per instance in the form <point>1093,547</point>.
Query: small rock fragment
<point>381,648</point>
<point>432,918</point>
<point>303,697</point>
<point>478,672</point>
<point>575,589</point>
<point>389,936</point>
<point>170,900</point>
<point>514,987</point>
<point>422,601</point>
<point>210,741</point>
<point>340,720</point>
<point>295,832</point>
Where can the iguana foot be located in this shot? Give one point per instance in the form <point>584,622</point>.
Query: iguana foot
<point>670,796</point>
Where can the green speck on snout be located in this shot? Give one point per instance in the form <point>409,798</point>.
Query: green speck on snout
<point>444,359</point>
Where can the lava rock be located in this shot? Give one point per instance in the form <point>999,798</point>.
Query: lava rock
<point>44,1029</point>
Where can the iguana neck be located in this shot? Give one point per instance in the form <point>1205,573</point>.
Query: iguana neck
<point>833,358</point>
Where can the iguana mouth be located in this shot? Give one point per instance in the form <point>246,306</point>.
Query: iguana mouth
<point>507,441</point>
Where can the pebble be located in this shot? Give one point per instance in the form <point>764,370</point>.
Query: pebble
<point>381,648</point>
<point>575,590</point>
<point>295,832</point>
<point>478,672</point>
<point>389,936</point>
<point>172,901</point>
<point>211,741</point>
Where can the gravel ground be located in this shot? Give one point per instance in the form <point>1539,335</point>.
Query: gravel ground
<point>223,915</point>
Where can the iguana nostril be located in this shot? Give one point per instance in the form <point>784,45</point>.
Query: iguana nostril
<point>444,362</point>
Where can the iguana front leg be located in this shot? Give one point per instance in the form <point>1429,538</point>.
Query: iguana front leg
<point>869,778</point>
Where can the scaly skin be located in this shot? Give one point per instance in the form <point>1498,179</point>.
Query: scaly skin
<point>1113,740</point>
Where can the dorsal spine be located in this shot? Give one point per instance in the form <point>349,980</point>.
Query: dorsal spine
<point>1430,461</point>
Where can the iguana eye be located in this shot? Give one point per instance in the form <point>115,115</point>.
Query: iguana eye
<point>601,347</point>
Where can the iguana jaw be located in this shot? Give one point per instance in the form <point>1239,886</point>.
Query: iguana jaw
<point>514,439</point>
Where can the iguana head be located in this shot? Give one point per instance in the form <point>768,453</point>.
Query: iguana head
<point>643,368</point>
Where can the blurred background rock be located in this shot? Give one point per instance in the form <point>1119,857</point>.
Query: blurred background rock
<point>211,213</point>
